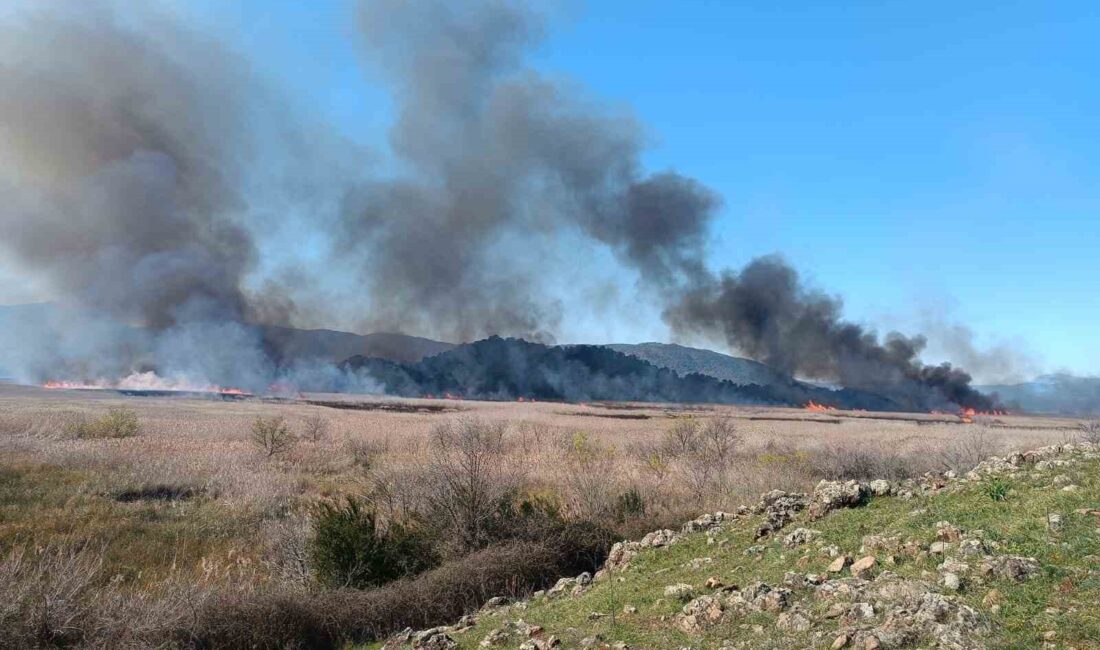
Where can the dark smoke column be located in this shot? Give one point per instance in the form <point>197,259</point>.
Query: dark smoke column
<point>767,313</point>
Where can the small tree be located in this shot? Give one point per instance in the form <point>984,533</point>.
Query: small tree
<point>469,481</point>
<point>315,428</point>
<point>272,436</point>
<point>683,437</point>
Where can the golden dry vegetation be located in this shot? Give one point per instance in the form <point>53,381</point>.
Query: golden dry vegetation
<point>191,499</point>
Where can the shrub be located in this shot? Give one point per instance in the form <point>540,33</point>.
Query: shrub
<point>276,618</point>
<point>315,428</point>
<point>996,488</point>
<point>348,549</point>
<point>861,463</point>
<point>364,452</point>
<point>630,505</point>
<point>119,422</point>
<point>969,449</point>
<point>272,436</point>
<point>1090,431</point>
<point>682,437</point>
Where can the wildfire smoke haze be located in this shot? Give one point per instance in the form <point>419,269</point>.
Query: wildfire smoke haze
<point>139,186</point>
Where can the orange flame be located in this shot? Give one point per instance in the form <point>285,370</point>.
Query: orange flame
<point>818,408</point>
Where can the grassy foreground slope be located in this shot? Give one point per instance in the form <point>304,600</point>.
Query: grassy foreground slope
<point>1007,559</point>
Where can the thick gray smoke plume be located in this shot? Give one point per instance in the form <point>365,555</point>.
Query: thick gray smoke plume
<point>120,165</point>
<point>491,150</point>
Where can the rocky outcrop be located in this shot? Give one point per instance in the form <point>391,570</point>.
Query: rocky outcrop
<point>866,604</point>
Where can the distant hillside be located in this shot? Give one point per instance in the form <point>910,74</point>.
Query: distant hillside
<point>283,344</point>
<point>684,360</point>
<point>1060,394</point>
<point>507,369</point>
<point>287,343</point>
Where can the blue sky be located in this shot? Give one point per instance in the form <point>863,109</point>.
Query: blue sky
<point>914,158</point>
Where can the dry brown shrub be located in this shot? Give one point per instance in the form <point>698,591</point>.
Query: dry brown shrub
<point>469,479</point>
<point>315,427</point>
<point>280,618</point>
<point>973,446</point>
<point>1090,431</point>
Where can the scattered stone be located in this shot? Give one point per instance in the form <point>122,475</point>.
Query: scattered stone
<point>861,568</point>
<point>792,622</point>
<point>951,582</point>
<point>838,564</point>
<point>840,642</point>
<point>756,550</point>
<point>704,522</point>
<point>433,639</point>
<point>861,611</point>
<point>947,532</point>
<point>972,547</point>
<point>681,591</point>
<point>1010,567</point>
<point>800,536</point>
<point>794,580</point>
<point>779,508</point>
<point>595,616</point>
<point>871,643</point>
<point>699,563</point>
<point>1071,488</point>
<point>1054,522</point>
<point>880,487</point>
<point>630,609</point>
<point>831,495</point>
<point>497,637</point>
<point>871,543</point>
<point>939,548</point>
<point>700,613</point>
<point>713,582</point>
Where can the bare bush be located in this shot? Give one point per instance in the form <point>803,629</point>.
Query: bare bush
<point>862,462</point>
<point>272,436</point>
<point>365,452</point>
<point>315,427</point>
<point>682,437</point>
<point>969,449</point>
<point>719,440</point>
<point>1090,431</point>
<point>588,474</point>
<point>470,479</point>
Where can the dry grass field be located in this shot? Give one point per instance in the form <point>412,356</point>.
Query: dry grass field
<point>191,501</point>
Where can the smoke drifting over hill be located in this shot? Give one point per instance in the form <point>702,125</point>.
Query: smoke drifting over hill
<point>129,173</point>
<point>494,150</point>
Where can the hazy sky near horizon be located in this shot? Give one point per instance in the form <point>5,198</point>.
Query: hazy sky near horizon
<point>929,162</point>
